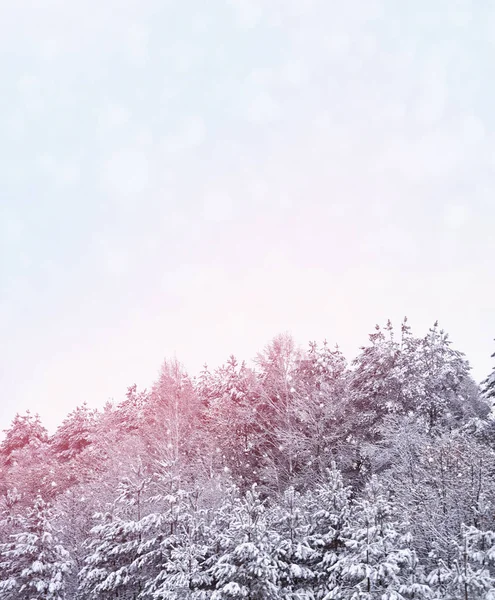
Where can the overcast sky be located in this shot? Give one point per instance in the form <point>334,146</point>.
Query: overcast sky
<point>191,178</point>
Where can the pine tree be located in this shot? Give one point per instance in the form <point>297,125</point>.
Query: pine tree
<point>321,366</point>
<point>73,448</point>
<point>233,422</point>
<point>244,566</point>
<point>24,430</point>
<point>131,411</point>
<point>205,386</point>
<point>371,568</point>
<point>413,582</point>
<point>10,514</point>
<point>74,434</point>
<point>183,553</point>
<point>33,471</point>
<point>375,386</point>
<point>115,543</point>
<point>170,559</point>
<point>439,580</point>
<point>73,518</point>
<point>375,392</point>
<point>26,462</point>
<point>34,566</point>
<point>292,522</point>
<point>443,371</point>
<point>330,513</point>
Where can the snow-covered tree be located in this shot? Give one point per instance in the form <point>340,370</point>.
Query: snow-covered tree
<point>74,434</point>
<point>73,519</point>
<point>34,566</point>
<point>10,514</point>
<point>131,411</point>
<point>376,555</point>
<point>32,470</point>
<point>26,463</point>
<point>330,513</point>
<point>182,552</point>
<point>319,409</point>
<point>375,386</point>
<point>233,422</point>
<point>244,565</point>
<point>23,430</point>
<point>171,414</point>
<point>115,543</point>
<point>444,369</point>
<point>408,516</point>
<point>439,484</point>
<point>471,575</point>
<point>321,366</point>
<point>205,386</point>
<point>413,580</point>
<point>291,520</point>
<point>278,374</point>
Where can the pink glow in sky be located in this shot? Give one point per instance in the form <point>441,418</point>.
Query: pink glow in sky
<point>189,180</point>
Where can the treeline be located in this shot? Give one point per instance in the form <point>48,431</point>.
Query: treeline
<point>301,476</point>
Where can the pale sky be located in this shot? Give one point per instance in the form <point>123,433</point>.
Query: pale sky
<point>191,178</point>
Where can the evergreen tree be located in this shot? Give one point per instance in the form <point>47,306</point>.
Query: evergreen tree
<point>74,434</point>
<point>10,514</point>
<point>205,386</point>
<point>115,544</point>
<point>444,370</point>
<point>131,411</point>
<point>413,581</point>
<point>375,386</point>
<point>376,557</point>
<point>184,553</point>
<point>173,549</point>
<point>26,463</point>
<point>73,518</point>
<point>25,429</point>
<point>295,556</point>
<point>245,566</point>
<point>330,512</point>
<point>33,471</point>
<point>34,566</point>
<point>233,421</point>
<point>319,409</point>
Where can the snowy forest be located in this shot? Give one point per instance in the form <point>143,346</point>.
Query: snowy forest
<point>298,475</point>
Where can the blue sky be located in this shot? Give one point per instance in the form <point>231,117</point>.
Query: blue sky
<point>189,179</point>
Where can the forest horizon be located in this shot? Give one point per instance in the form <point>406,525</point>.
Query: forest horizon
<point>304,476</point>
